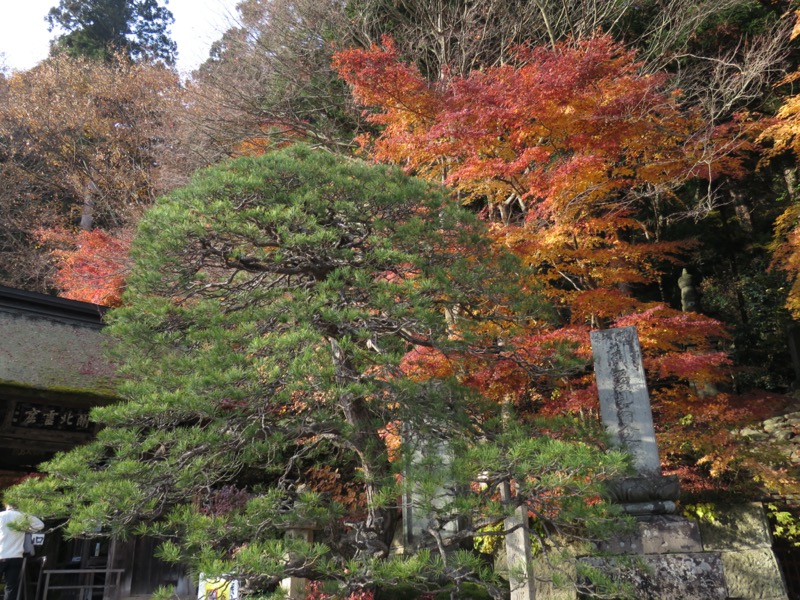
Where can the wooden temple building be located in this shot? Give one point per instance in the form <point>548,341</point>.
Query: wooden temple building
<point>52,372</point>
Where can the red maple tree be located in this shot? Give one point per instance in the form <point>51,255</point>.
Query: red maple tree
<point>576,156</point>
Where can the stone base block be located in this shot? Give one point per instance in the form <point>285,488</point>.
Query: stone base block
<point>662,534</point>
<point>737,527</point>
<point>632,490</point>
<point>753,575</point>
<point>688,576</point>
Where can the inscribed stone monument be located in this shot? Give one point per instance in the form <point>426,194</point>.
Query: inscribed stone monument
<point>628,419</point>
<point>624,402</point>
<point>670,561</point>
<point>435,456</point>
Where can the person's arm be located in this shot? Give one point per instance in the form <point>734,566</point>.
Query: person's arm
<point>34,523</point>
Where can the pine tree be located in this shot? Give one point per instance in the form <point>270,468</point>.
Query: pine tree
<point>267,315</point>
<point>100,28</point>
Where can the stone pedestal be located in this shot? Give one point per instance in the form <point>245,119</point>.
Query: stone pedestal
<point>665,560</point>
<point>661,534</point>
<point>667,557</point>
<point>659,576</point>
<point>644,496</point>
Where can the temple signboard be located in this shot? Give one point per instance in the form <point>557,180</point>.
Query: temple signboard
<point>51,417</point>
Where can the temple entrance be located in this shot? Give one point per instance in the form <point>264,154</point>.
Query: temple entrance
<point>52,372</point>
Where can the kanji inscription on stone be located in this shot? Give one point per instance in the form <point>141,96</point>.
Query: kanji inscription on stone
<point>624,401</point>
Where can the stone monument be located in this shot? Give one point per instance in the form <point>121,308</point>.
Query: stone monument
<point>628,419</point>
<point>668,546</point>
<point>435,456</point>
<point>688,292</point>
<point>666,556</point>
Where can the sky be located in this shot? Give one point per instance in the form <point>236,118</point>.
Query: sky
<point>24,39</point>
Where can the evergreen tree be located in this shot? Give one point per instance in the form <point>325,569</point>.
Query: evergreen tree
<point>99,28</point>
<point>271,306</point>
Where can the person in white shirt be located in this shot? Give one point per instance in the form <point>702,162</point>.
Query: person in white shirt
<point>13,527</point>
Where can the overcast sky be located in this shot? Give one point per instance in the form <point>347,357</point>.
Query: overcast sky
<point>24,39</point>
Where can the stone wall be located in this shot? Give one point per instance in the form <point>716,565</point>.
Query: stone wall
<point>781,433</point>
<point>668,557</point>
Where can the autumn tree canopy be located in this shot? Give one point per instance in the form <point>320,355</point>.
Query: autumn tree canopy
<point>84,145</point>
<point>269,79</point>
<point>568,138</point>
<point>580,158</point>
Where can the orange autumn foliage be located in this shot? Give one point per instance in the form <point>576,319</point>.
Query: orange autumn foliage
<point>91,266</point>
<point>574,153</point>
<point>786,254</point>
<point>559,132</point>
<point>571,149</point>
<point>783,135</point>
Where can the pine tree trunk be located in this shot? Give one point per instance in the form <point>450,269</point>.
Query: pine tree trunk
<point>367,445</point>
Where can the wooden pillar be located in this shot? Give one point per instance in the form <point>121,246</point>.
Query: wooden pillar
<point>518,550</point>
<point>111,589</point>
